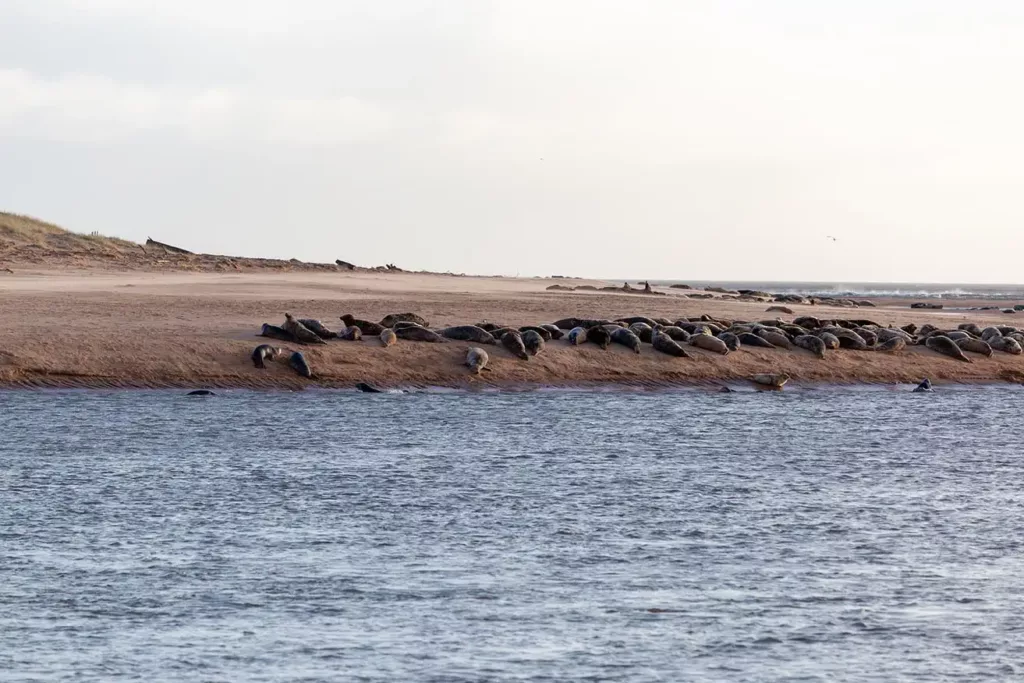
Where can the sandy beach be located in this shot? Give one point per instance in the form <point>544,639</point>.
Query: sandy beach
<point>102,328</point>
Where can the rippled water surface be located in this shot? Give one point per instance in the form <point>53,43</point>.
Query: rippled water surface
<point>830,534</point>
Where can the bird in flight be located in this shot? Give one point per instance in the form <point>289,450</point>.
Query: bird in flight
<point>831,238</point>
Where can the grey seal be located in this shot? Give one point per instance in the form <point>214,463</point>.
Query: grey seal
<point>731,340</point>
<point>368,388</point>
<point>627,338</point>
<point>924,386</point>
<point>275,332</point>
<point>533,341</point>
<point>892,344</point>
<point>298,363</point>
<point>599,335</point>
<point>709,343</point>
<point>300,332</point>
<point>946,347</point>
<point>775,338</point>
<point>556,333</point>
<point>318,328</point>
<point>644,331</point>
<point>391,319</point>
<point>513,342</point>
<point>975,346</point>
<point>811,343</point>
<point>352,333</point>
<point>751,339</point>
<point>544,334</point>
<point>665,344</point>
<point>577,336</point>
<point>476,360</point>
<point>265,352</point>
<point>365,326</point>
<point>468,333</point>
<point>417,333</point>
<point>388,338</point>
<point>1006,345</point>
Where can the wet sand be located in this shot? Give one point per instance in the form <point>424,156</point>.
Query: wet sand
<point>95,328</point>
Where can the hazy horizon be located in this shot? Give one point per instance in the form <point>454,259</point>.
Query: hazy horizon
<point>674,140</point>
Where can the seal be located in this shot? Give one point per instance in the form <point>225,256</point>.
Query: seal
<point>599,335</point>
<point>779,309</point>
<point>709,343</point>
<point>365,326</point>
<point>318,328</point>
<point>665,344</point>
<point>533,341</point>
<point>644,331</point>
<point>970,328</point>
<point>808,322</point>
<point>391,319</point>
<point>811,343</point>
<point>676,333</point>
<point>513,342</point>
<point>500,332</point>
<point>368,388</point>
<point>265,352</point>
<point>975,346</point>
<point>627,338</point>
<point>650,322</point>
<point>402,324</point>
<point>869,336</point>
<point>352,333</point>
<point>388,338</point>
<point>468,333</point>
<point>770,380</point>
<point>586,323</point>
<point>990,332</point>
<point>886,334</point>
<point>544,334</point>
<point>731,340</point>
<point>476,360</point>
<point>923,387</point>
<point>490,327</point>
<point>556,333</point>
<point>751,339</point>
<point>577,336</point>
<point>275,332</point>
<point>891,345</point>
<point>300,332</point>
<point>1006,345</point>
<point>417,333</point>
<point>946,347</point>
<point>775,338</point>
<point>848,339</point>
<point>955,335</point>
<point>201,392</point>
<point>831,340</point>
<point>298,363</point>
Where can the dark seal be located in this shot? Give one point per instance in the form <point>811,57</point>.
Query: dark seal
<point>298,363</point>
<point>365,326</point>
<point>264,352</point>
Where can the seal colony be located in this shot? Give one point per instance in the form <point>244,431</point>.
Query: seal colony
<point>678,341</point>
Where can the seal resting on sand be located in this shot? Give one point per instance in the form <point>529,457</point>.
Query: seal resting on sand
<point>946,347</point>
<point>1006,345</point>
<point>365,326</point>
<point>513,341</point>
<point>352,333</point>
<point>298,363</point>
<point>468,333</point>
<point>388,338</point>
<point>544,334</point>
<point>476,360</point>
<point>891,345</point>
<point>390,320</point>
<point>533,341</point>
<point>275,332</point>
<point>265,352</point>
<point>812,344</point>
<point>975,346</point>
<point>556,333</point>
<point>644,331</point>
<point>300,332</point>
<point>417,333</point>
<point>599,335</point>
<point>730,339</point>
<point>318,328</point>
<point>665,344</point>
<point>751,339</point>
<point>627,338</point>
<point>577,336</point>
<point>709,343</point>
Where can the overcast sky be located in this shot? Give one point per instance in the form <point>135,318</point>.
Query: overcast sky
<point>662,139</point>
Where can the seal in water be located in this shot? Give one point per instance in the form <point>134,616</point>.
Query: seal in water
<point>812,344</point>
<point>388,338</point>
<point>365,326</point>
<point>556,333</point>
<point>533,341</point>
<point>767,379</point>
<point>265,352</point>
<point>390,320</point>
<point>665,344</point>
<point>468,333</point>
<point>476,360</point>
<point>352,333</point>
<point>947,347</point>
<point>709,343</point>
<point>368,388</point>
<point>730,339</point>
<point>419,334</point>
<point>201,392</point>
<point>892,344</point>
<point>577,336</point>
<point>275,332</point>
<point>924,386</point>
<point>300,332</point>
<point>644,331</point>
<point>513,341</point>
<point>318,328</point>
<point>544,334</point>
<point>627,338</point>
<point>751,339</point>
<point>975,346</point>
<point>599,335</point>
<point>298,363</point>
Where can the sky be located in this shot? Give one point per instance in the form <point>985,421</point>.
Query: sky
<point>666,139</point>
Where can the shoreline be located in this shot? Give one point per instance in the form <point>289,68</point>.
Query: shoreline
<point>185,330</point>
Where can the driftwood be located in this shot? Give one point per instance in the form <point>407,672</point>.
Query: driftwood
<point>176,250</point>
<point>344,264</point>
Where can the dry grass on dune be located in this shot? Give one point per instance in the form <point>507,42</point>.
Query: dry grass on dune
<point>17,231</point>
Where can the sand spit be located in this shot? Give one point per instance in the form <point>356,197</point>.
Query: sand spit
<point>182,329</point>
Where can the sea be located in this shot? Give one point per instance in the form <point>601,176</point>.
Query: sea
<point>893,290</point>
<point>813,534</point>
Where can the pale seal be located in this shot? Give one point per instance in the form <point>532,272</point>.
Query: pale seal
<point>771,380</point>
<point>775,338</point>
<point>1006,345</point>
<point>709,343</point>
<point>627,338</point>
<point>577,336</point>
<point>476,360</point>
<point>388,338</point>
<point>352,333</point>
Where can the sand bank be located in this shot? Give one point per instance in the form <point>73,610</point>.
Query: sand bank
<point>96,328</point>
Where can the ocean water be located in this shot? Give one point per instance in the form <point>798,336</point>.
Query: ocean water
<point>807,535</point>
<point>895,290</point>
